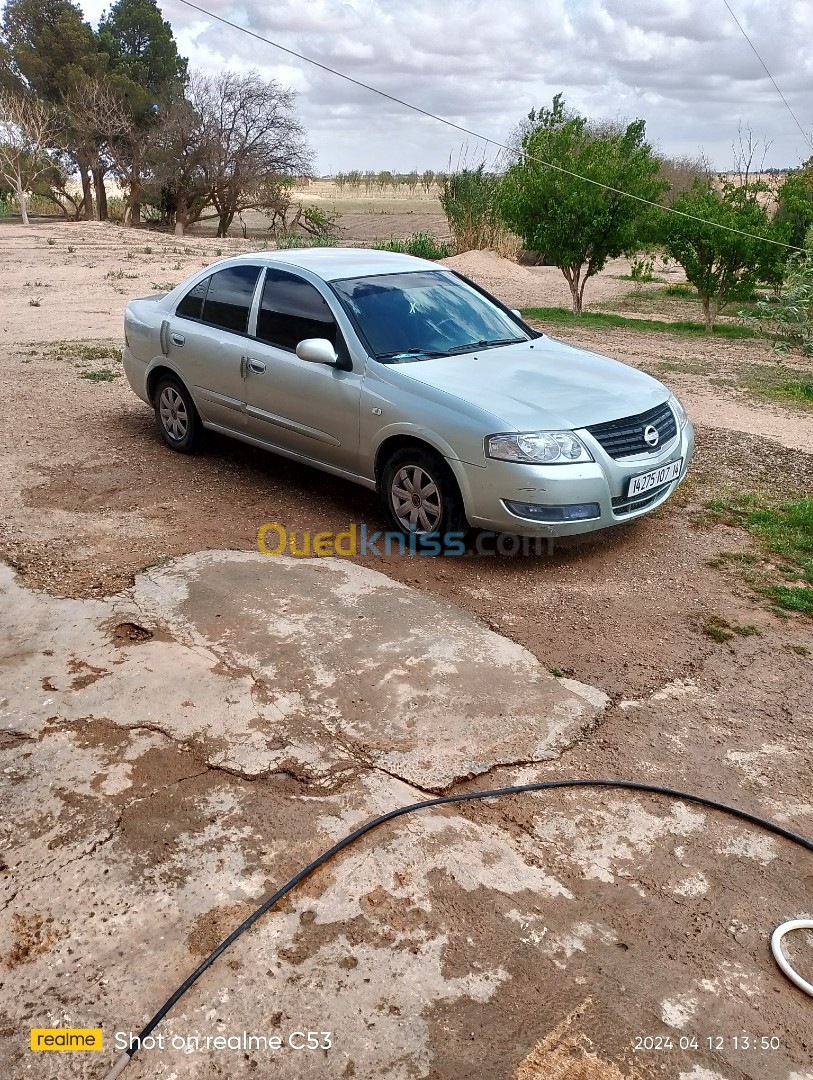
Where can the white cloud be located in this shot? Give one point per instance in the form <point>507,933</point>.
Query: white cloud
<point>680,64</point>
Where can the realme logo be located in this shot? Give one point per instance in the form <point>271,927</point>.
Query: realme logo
<point>66,1038</point>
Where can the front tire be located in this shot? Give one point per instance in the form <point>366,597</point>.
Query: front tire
<point>176,416</point>
<point>420,494</point>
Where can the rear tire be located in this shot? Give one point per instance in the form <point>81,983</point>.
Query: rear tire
<point>176,416</point>
<point>420,494</point>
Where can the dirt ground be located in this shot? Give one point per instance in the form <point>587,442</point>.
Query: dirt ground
<point>667,910</point>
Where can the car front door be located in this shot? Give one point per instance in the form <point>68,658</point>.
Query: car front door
<point>207,342</point>
<point>311,410</point>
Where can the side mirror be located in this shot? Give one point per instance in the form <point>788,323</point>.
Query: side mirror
<point>317,350</point>
<point>517,312</point>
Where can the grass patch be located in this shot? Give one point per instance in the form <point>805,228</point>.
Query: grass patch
<point>99,375</point>
<point>604,319</point>
<point>164,287</point>
<point>779,383</point>
<point>721,630</point>
<point>784,532</point>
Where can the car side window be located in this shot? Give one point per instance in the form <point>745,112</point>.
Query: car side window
<point>228,299</point>
<point>291,309</point>
<point>191,307</point>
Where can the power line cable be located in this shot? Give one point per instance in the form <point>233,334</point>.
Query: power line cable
<point>773,80</point>
<point>478,135</point>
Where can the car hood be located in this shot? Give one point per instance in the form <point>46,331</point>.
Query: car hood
<point>543,384</point>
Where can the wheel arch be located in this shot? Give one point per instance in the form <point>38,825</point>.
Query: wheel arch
<point>402,440</point>
<point>158,372</point>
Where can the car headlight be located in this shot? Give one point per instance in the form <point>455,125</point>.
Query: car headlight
<point>680,413</point>
<point>538,448</point>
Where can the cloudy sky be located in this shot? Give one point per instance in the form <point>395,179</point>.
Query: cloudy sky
<point>682,65</point>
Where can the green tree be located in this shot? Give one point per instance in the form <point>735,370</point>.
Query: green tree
<point>795,209</point>
<point>49,50</point>
<point>722,264</point>
<point>576,224</point>
<point>147,74</point>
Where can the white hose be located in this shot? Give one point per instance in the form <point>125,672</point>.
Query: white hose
<point>779,956</point>
<point>119,1067</point>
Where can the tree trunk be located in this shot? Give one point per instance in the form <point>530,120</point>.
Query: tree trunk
<point>572,277</point>
<point>706,313</point>
<point>23,201</point>
<point>225,218</point>
<point>132,213</point>
<point>87,191</point>
<point>101,192</point>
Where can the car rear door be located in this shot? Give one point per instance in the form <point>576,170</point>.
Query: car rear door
<point>309,409</point>
<point>207,339</point>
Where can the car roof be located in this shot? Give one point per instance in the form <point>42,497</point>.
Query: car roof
<point>333,263</point>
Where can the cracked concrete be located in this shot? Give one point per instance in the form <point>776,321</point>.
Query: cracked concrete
<point>173,753</point>
<point>281,664</point>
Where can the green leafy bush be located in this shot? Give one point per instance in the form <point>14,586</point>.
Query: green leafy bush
<point>469,201</point>
<point>421,244</point>
<point>297,240</point>
<point>788,317</point>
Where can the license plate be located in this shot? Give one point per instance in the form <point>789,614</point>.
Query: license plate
<point>656,478</point>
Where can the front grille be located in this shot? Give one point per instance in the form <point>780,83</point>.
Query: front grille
<point>624,505</point>
<point>623,438</point>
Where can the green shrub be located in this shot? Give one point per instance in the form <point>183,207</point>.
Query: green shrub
<point>296,240</point>
<point>642,267</point>
<point>788,317</point>
<point>116,207</point>
<point>469,199</point>
<point>421,244</point>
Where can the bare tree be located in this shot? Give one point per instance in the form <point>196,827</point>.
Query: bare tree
<point>27,132</point>
<point>683,174</point>
<point>179,157</point>
<point>251,135</point>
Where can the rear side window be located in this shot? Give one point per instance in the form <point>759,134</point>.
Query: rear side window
<point>191,307</point>
<point>291,309</point>
<point>228,299</point>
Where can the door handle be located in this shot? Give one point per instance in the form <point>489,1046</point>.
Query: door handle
<point>256,365</point>
<point>179,340</point>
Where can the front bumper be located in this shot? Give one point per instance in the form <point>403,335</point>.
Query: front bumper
<point>604,481</point>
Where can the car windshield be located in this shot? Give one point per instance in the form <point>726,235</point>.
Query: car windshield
<point>423,314</point>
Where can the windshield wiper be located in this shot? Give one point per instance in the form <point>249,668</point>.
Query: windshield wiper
<point>403,354</point>
<point>487,344</point>
<point>416,354</point>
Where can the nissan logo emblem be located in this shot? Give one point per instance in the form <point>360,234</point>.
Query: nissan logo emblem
<point>651,436</point>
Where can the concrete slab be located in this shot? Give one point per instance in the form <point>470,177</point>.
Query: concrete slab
<point>268,663</point>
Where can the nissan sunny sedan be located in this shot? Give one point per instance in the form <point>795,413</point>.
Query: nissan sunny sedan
<point>405,377</point>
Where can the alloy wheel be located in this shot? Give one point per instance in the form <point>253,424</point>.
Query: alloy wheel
<point>172,410</point>
<point>416,500</point>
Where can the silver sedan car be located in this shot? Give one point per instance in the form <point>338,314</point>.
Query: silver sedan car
<point>401,375</point>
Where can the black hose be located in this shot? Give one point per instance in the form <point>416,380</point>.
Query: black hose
<point>444,800</point>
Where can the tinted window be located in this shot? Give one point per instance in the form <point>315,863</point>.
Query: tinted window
<point>291,310</point>
<point>229,298</point>
<point>191,306</point>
